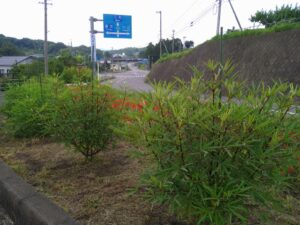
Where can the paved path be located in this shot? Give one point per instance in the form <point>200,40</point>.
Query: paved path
<point>132,79</point>
<point>4,219</point>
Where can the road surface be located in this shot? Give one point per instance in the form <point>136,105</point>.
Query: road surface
<point>133,79</point>
<point>4,219</point>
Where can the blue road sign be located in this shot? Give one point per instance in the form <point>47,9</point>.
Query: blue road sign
<point>117,26</point>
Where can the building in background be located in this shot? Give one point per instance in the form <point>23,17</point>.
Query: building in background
<point>8,62</point>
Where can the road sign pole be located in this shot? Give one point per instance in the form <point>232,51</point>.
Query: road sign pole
<point>93,47</point>
<point>115,26</point>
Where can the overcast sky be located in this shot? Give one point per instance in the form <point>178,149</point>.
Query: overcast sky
<point>68,20</point>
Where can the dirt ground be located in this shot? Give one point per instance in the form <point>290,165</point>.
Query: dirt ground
<point>98,192</point>
<point>94,193</point>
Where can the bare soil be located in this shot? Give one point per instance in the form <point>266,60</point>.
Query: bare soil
<point>99,192</point>
<point>92,192</point>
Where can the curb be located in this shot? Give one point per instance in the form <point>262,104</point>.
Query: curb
<point>25,206</point>
<point>106,78</point>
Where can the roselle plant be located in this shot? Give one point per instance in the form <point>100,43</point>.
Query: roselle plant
<point>218,146</point>
<point>85,118</point>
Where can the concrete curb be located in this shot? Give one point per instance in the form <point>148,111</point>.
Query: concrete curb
<point>106,78</point>
<point>25,206</point>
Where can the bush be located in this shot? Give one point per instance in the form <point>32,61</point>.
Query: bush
<point>76,74</point>
<point>176,55</point>
<point>216,158</point>
<point>85,118</point>
<point>255,32</point>
<point>29,106</point>
<point>284,14</point>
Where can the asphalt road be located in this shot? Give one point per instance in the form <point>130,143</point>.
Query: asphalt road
<point>133,79</point>
<point>4,219</point>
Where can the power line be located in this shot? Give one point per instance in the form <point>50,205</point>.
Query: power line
<point>184,13</point>
<point>196,20</point>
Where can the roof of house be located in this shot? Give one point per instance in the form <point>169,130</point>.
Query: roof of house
<point>12,60</point>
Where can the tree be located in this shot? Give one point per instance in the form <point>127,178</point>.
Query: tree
<point>284,14</point>
<point>189,44</point>
<point>9,49</point>
<point>107,55</point>
<point>26,71</point>
<point>153,51</point>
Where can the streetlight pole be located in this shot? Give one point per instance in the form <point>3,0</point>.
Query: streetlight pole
<point>160,33</point>
<point>173,41</point>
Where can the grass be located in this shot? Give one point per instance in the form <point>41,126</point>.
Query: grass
<point>97,192</point>
<point>175,55</point>
<point>94,193</point>
<point>256,32</point>
<point>235,34</point>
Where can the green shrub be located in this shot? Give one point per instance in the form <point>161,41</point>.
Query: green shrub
<point>85,118</point>
<point>255,32</point>
<point>76,74</point>
<point>5,83</point>
<point>176,55</point>
<point>216,158</point>
<point>28,107</point>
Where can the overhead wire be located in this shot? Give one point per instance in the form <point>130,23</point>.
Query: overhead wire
<point>184,13</point>
<point>195,20</point>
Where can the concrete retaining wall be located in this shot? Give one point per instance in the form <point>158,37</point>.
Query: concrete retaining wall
<point>273,56</point>
<point>25,206</point>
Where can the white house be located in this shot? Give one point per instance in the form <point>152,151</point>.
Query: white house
<point>7,63</point>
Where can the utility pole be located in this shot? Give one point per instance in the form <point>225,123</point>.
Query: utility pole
<point>160,33</point>
<point>173,41</point>
<point>46,35</point>
<point>237,19</point>
<point>219,17</point>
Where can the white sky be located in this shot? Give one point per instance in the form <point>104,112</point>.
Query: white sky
<point>68,20</point>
